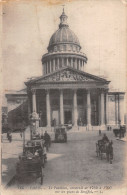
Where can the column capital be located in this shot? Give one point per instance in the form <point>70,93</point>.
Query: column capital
<point>47,91</point>
<point>33,91</point>
<point>75,90</point>
<point>88,91</point>
<point>61,90</point>
<point>102,90</point>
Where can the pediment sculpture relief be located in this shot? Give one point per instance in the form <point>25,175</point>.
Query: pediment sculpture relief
<point>67,75</point>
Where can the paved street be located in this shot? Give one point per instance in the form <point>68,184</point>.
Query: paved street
<point>75,162</point>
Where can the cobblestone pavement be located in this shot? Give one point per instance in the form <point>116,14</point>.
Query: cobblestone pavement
<point>76,163</point>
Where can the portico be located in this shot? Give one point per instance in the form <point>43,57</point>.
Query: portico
<point>72,97</point>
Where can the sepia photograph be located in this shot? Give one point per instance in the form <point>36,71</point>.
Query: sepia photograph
<point>63,112</point>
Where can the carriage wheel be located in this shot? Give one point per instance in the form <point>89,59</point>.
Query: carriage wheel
<point>41,176</point>
<point>43,162</point>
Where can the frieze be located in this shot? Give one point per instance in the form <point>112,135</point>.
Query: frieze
<point>67,75</point>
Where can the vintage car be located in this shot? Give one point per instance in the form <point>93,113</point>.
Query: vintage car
<point>60,133</point>
<point>31,162</point>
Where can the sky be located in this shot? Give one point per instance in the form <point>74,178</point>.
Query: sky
<point>99,25</point>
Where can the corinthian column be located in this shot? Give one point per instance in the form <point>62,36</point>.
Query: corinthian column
<point>62,62</point>
<point>75,108</point>
<point>102,111</point>
<point>53,64</point>
<point>88,111</point>
<point>67,61</point>
<point>72,62</point>
<point>48,110</point>
<point>58,63</point>
<point>34,100</point>
<point>61,108</point>
<point>107,108</point>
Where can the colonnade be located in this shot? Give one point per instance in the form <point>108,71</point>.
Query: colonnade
<point>75,111</point>
<point>59,62</point>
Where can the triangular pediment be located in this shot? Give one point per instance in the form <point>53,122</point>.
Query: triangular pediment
<point>68,74</point>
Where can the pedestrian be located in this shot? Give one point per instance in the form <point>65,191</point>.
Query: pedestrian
<point>47,139</point>
<point>100,132</point>
<point>105,138</point>
<point>21,133</point>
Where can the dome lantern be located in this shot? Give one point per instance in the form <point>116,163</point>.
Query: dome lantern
<point>63,20</point>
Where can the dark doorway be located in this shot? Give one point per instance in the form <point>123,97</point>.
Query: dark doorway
<point>67,117</point>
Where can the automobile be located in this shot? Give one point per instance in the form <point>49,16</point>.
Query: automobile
<point>60,133</point>
<point>31,162</point>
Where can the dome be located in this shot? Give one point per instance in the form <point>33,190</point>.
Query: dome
<point>63,50</point>
<point>63,35</point>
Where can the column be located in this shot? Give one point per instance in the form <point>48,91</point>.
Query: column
<point>82,66</point>
<point>54,64</point>
<point>34,100</point>
<point>88,111</point>
<point>58,63</point>
<point>122,108</point>
<point>67,61</point>
<point>72,62</point>
<point>79,64</point>
<point>61,108</point>
<point>107,121</point>
<point>43,71</point>
<point>50,66</point>
<point>75,108</point>
<point>48,110</point>
<point>46,67</point>
<point>29,106</point>
<point>102,111</point>
<point>116,109</point>
<point>62,62</point>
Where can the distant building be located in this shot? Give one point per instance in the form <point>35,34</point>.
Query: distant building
<point>15,98</point>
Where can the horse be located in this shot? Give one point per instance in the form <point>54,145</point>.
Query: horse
<point>109,151</point>
<point>105,148</point>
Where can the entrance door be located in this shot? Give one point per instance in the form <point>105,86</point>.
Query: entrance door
<point>55,115</point>
<point>67,116</point>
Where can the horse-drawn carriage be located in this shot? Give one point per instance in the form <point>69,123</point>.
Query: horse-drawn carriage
<point>60,134</point>
<point>105,148</point>
<point>31,162</point>
<point>120,132</point>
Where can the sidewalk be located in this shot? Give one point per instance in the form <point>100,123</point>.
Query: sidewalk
<point>10,154</point>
